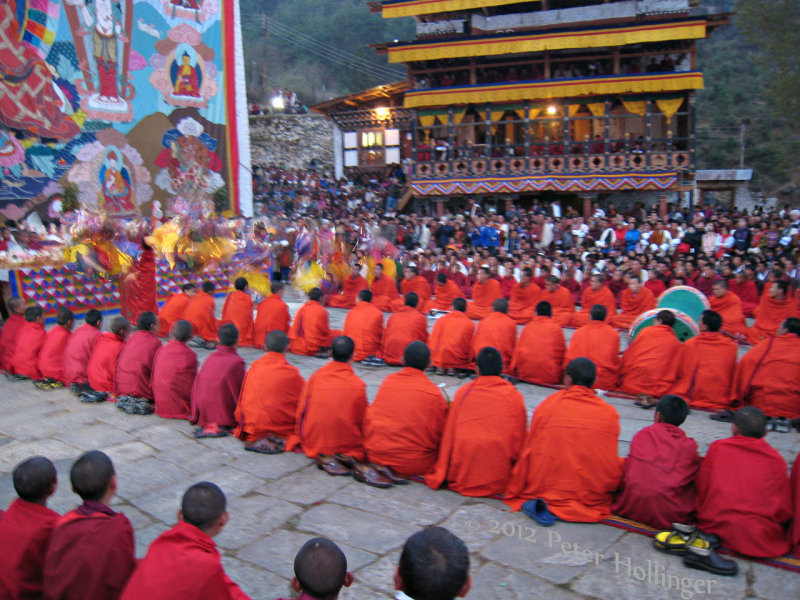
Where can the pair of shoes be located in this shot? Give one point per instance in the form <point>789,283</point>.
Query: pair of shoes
<point>122,402</point>
<point>779,425</point>
<point>645,401</point>
<point>197,342</point>
<point>430,369</point>
<point>390,474</point>
<point>47,384</point>
<point>463,375</point>
<point>723,416</point>
<point>11,377</point>
<point>372,361</point>
<point>539,512</point>
<point>331,466</point>
<point>323,353</point>
<point>267,445</point>
<point>441,372</point>
<point>135,406</point>
<point>210,431</point>
<point>93,396</point>
<point>364,473</point>
<point>706,559</point>
<point>682,537</point>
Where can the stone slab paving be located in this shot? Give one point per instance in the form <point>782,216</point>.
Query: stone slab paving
<point>278,502</point>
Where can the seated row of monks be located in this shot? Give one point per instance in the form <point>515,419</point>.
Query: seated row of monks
<point>89,553</point>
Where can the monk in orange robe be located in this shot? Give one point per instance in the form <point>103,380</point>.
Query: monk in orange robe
<point>238,309</point>
<point>775,307</point>
<point>483,434</point>
<point>364,325</point>
<point>498,331</point>
<point>413,282</point>
<point>405,422</point>
<point>596,293</point>
<point>200,313</point>
<point>747,292</point>
<point>403,327</point>
<point>451,339</point>
<point>25,360</point>
<point>768,376</point>
<point>729,307</point>
<point>446,291</point>
<point>174,371</point>
<point>384,290</point>
<point>708,366</point>
<point>524,295</point>
<point>353,284</point>
<point>560,300</point>
<point>635,300</point>
<point>651,363</point>
<point>267,405</point>
<point>485,292</point>
<point>570,458</point>
<point>599,342</point>
<point>539,355</point>
<point>102,366</point>
<point>272,314</point>
<point>8,338</point>
<point>51,357</point>
<point>174,308</point>
<point>310,332</point>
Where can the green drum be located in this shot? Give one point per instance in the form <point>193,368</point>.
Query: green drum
<point>685,299</point>
<point>685,327</point>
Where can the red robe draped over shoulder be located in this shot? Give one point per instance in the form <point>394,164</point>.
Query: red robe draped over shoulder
<point>658,477</point>
<point>419,286</point>
<point>135,365</point>
<point>25,360</point>
<point>445,294</point>
<point>603,296</point>
<point>364,325</point>
<point>350,288</point>
<point>522,301</point>
<point>451,340</point>
<point>570,457</point>
<point>384,292</point>
<point>217,387</point>
<point>51,357</point>
<point>272,314</point>
<point>310,330</point>
<point>174,370</point>
<point>138,288</point>
<point>77,353</point>
<point>483,296</point>
<point>103,362</point>
<point>171,311</point>
<point>200,313</point>
<point>238,309</point>
<point>651,363</point>
<point>8,338</point>
<point>482,438</point>
<point>768,376</point>
<point>794,532</point>
<point>561,303</point>
<point>499,331</point>
<point>730,309</point>
<point>770,315</point>
<point>539,355</point>
<point>403,327</point>
<point>633,306</point>
<point>707,369</point>
<point>748,294</point>
<point>599,342</point>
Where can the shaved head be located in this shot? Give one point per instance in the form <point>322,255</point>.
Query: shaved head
<point>277,341</point>
<point>320,567</point>
<point>91,475</point>
<point>203,504</point>
<point>182,331</point>
<point>34,478</point>
<point>750,422</point>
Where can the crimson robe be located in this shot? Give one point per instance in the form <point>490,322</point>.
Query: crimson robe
<point>794,532</point>
<point>268,401</point>
<point>445,294</point>
<point>272,314</point>
<point>25,360</point>
<point>748,294</point>
<point>768,376</point>
<point>590,298</point>
<point>8,338</point>
<point>135,365</point>
<point>364,325</point>
<point>658,477</point>
<point>633,306</point>
<point>350,288</point>
<point>499,331</point>
<point>137,289</point>
<point>77,353</point>
<point>656,286</point>
<point>238,309</point>
<point>403,327</point>
<point>707,369</point>
<point>522,301</point>
<point>651,363</point>
<point>770,315</point>
<point>330,413</point>
<point>172,311</point>
<point>599,342</point>
<point>419,286</point>
<point>174,370</point>
<point>102,365</point>
<point>539,355</point>
<point>217,387</point>
<point>483,296</point>
<point>384,292</point>
<point>404,424</point>
<point>729,307</point>
<point>51,357</point>
<point>743,496</point>
<point>25,531</point>
<point>450,341</point>
<point>200,313</point>
<point>310,330</point>
<point>570,457</point>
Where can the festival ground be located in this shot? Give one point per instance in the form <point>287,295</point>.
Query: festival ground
<point>278,502</point>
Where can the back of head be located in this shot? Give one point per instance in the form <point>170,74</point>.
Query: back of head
<point>666,317</point>
<point>582,372</point>
<point>240,284</point>
<point>146,320</point>
<point>500,305</point>
<point>203,504</point>
<point>93,317</point>
<point>460,304</point>
<point>182,331</point>
<point>711,319</point>
<point>320,567</point>
<point>91,475</point>
<point>673,409</point>
<point>417,355</point>
<point>342,348</point>
<point>16,305</point>
<point>315,294</point>
<point>187,287</point>
<point>208,287</point>
<point>722,283</point>
<point>64,317</point>
<point>750,422</point>
<point>598,312</point>
<point>277,341</point>
<point>783,285</point>
<point>228,334</point>
<point>277,287</point>
<point>34,478</point>
<point>365,296</point>
<point>441,278</point>
<point>434,565</point>
<point>489,362</point>
<point>412,299</point>
<point>553,279</point>
<point>33,313</point>
<point>792,325</point>
<point>543,309</point>
<point>119,326</point>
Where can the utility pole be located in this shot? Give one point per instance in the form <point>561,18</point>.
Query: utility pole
<point>742,135</point>
<point>264,91</point>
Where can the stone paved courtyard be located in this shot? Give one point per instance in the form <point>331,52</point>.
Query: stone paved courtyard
<point>278,502</point>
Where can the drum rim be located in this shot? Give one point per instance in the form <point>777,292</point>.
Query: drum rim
<point>695,292</point>
<point>679,314</point>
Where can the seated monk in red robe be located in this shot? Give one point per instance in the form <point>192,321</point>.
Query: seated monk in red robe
<point>78,351</point>
<point>445,292</point>
<point>659,473</point>
<point>200,313</point>
<point>383,288</point>
<point>483,434</point>
<point>404,423</point>
<point>413,282</point>
<point>184,562</point>
<point>267,408</point>
<point>599,342</point>
<point>635,300</point>
<point>353,284</point>
<point>768,376</point>
<point>8,338</point>
<point>272,314</point>
<point>794,532</point>
<point>561,303</point>
<point>403,327</point>
<point>135,361</point>
<point>651,363</point>
<point>364,325</point>
<point>51,356</point>
<point>498,331</point>
<point>238,309</point>
<point>729,307</point>
<point>174,370</point>
<point>775,307</point>
<point>174,307</point>
<point>747,292</point>
<point>26,528</point>
<point>310,332</point>
<point>523,297</point>
<point>102,367</point>
<point>91,553</point>
<point>217,387</point>
<point>539,355</point>
<point>569,459</point>
<point>485,292</point>
<point>707,367</point>
<point>743,493</point>
<point>25,360</point>
<point>451,341</point>
<point>596,293</point>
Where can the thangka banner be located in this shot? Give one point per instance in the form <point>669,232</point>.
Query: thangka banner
<point>126,101</point>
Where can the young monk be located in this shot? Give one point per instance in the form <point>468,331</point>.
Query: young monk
<point>499,331</point>
<point>562,306</point>
<point>353,284</point>
<point>133,377</point>
<point>310,332</point>
<point>26,528</point>
<point>485,292</point>
<point>102,366</point>
<point>659,473</point>
<point>635,300</point>
<point>524,296</point>
<point>434,563</point>
<point>729,307</point>
<point>774,308</point>
<point>184,562</point>
<point>451,341</point>
<point>174,371</point>
<point>217,387</point>
<point>238,309</point>
<point>364,325</point>
<point>747,292</point>
<point>51,357</point>
<point>596,293</point>
<point>404,423</point>
<point>8,338</point>
<point>272,314</point>
<point>651,363</point>
<point>320,570</point>
<point>174,307</point>
<point>445,292</point>
<point>599,342</point>
<point>743,493</point>
<point>200,313</point>
<point>91,553</point>
<point>267,407</point>
<point>569,464</point>
<point>539,355</point>
<point>25,360</point>
<point>384,289</point>
<point>406,325</point>
<point>413,282</point>
<point>78,351</point>
<point>483,435</point>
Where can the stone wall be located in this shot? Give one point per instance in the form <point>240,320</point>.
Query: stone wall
<point>292,140</point>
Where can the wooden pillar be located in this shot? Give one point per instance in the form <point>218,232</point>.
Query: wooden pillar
<point>439,208</point>
<point>587,206</point>
<point>473,74</point>
<point>509,202</point>
<point>662,205</point>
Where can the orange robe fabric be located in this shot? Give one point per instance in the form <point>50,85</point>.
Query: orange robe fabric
<point>51,357</point>
<point>272,314</point>
<point>707,369</point>
<point>768,376</point>
<point>499,331</point>
<point>419,286</point>
<point>522,301</point>
<point>174,370</point>
<point>570,457</point>
<point>539,355</point>
<point>384,292</point>
<point>445,294</point>
<point>599,342</point>
<point>405,422</point>
<point>310,330</point>
<point>330,413</point>
<point>483,295</point>
<point>238,309</point>
<point>562,304</point>
<point>172,311</point>
<point>652,362</point>
<point>347,297</point>
<point>769,315</point>
<point>603,297</point>
<point>103,362</point>
<point>8,338</point>
<point>450,341</point>
<point>403,327</point>
<point>364,325</point>
<point>482,439</point>
<point>25,360</point>
<point>730,309</point>
<point>200,313</point>
<point>268,401</point>
<point>633,306</point>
